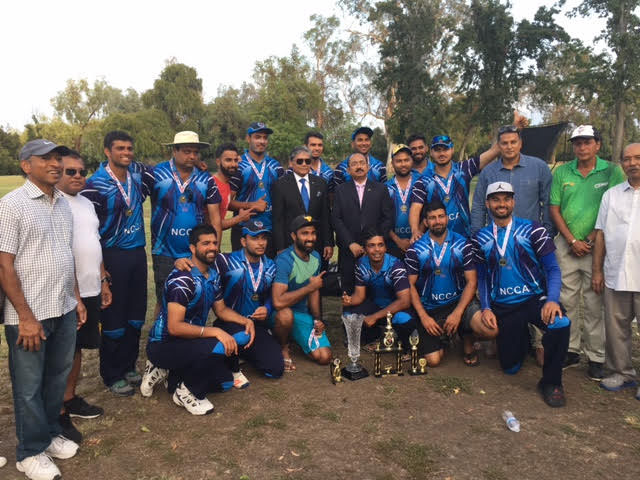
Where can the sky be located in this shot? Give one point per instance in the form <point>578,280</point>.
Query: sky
<point>45,43</point>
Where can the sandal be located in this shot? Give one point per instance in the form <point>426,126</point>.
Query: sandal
<point>471,359</point>
<point>288,365</point>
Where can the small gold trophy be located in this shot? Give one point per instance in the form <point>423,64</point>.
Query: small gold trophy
<point>423,366</point>
<point>388,346</point>
<point>336,374</point>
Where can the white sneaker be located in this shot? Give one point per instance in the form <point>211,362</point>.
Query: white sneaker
<point>3,462</point>
<point>152,376</point>
<point>184,398</point>
<point>239,380</point>
<point>39,467</point>
<point>61,447</point>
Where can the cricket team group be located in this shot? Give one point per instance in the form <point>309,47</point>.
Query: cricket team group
<point>540,261</point>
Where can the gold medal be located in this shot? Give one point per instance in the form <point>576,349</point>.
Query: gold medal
<point>261,185</point>
<point>503,262</point>
<point>446,198</point>
<point>403,208</point>
<point>183,199</point>
<point>438,272</point>
<point>129,212</point>
<point>255,297</point>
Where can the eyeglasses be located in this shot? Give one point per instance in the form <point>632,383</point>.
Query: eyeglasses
<point>72,172</point>
<point>300,161</point>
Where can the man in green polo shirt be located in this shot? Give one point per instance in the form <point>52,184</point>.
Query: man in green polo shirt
<point>576,191</point>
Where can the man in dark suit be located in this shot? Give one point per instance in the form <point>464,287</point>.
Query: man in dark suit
<point>358,205</point>
<point>299,193</point>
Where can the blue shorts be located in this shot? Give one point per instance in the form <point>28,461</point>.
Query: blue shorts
<point>302,332</point>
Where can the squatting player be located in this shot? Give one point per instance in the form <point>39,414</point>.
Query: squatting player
<point>516,267</point>
<point>443,282</point>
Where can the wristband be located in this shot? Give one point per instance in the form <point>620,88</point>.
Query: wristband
<point>201,332</point>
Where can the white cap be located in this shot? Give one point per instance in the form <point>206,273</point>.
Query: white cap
<point>499,187</point>
<point>584,131</point>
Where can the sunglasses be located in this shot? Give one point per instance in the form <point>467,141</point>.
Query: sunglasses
<point>300,161</point>
<point>72,172</point>
<point>508,129</point>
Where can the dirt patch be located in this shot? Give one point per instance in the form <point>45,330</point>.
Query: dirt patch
<point>445,425</point>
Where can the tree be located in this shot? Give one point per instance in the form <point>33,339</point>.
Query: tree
<point>226,118</point>
<point>9,149</point>
<point>622,36</point>
<point>178,93</point>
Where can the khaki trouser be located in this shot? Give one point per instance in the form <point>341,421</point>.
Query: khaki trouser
<point>577,297</point>
<point>619,310</point>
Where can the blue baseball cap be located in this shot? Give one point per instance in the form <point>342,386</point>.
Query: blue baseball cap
<point>254,228</point>
<point>444,140</point>
<point>256,127</point>
<point>365,130</point>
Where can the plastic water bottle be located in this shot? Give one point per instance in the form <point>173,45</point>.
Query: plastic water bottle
<point>512,422</point>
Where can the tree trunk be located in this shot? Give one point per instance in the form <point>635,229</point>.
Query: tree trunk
<point>618,134</point>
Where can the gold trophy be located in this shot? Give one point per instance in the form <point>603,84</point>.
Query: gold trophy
<point>414,340</point>
<point>336,374</point>
<point>388,346</point>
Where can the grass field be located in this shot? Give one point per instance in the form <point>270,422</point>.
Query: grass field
<point>446,425</point>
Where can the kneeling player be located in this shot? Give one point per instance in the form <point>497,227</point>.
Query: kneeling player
<point>443,284</point>
<point>515,260</point>
<point>196,355</point>
<point>381,286</point>
<point>296,295</point>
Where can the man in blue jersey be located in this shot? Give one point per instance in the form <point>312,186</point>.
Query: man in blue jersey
<point>118,189</point>
<point>443,282</point>
<point>183,196</point>
<point>251,185</point>
<point>296,295</point>
<point>314,141</point>
<point>448,182</point>
<point>519,283</point>
<point>180,341</point>
<point>400,187</point>
<point>360,143</point>
<point>381,287</point>
<point>419,152</point>
<point>247,276</point>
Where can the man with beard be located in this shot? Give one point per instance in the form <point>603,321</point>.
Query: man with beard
<point>448,182</point>
<point>300,193</point>
<point>314,141</point>
<point>381,287</point>
<point>359,204</point>
<point>251,185</point>
<point>196,356</point>
<point>418,145</point>
<point>443,283</point>
<point>183,196</point>
<point>227,160</point>
<point>361,143</point>
<point>117,190</point>
<point>296,295</point>
<point>515,262</point>
<point>400,188</point>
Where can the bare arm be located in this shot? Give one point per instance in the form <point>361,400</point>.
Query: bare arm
<point>283,298</point>
<point>229,315</point>
<point>414,221</point>
<point>402,302</point>
<point>427,321</point>
<point>578,247</point>
<point>597,268</point>
<point>489,156</point>
<point>214,217</point>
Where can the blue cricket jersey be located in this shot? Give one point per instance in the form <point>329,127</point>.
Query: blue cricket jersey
<point>173,213</point>
<point>249,187</point>
<point>457,200</point>
<point>237,284</point>
<point>377,171</point>
<point>193,291</point>
<point>522,276</point>
<point>117,229</point>
<point>383,286</point>
<point>444,288</point>
<point>402,227</point>
<point>295,272</point>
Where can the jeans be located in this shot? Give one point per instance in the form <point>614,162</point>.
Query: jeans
<point>39,380</point>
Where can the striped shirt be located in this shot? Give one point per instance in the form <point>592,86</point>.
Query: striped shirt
<point>383,286</point>
<point>40,234</point>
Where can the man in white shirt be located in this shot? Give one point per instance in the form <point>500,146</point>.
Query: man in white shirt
<point>93,284</point>
<point>617,249</point>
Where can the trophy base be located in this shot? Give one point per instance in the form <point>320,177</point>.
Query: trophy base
<point>354,375</point>
<point>417,372</point>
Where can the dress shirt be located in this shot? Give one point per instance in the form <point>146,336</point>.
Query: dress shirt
<point>619,220</point>
<point>360,190</point>
<point>306,178</point>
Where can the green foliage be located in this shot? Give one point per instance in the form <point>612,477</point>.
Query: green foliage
<point>9,149</point>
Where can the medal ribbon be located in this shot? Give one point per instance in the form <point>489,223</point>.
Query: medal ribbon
<point>444,187</point>
<point>502,248</point>
<point>125,195</point>
<point>403,198</point>
<point>438,260</point>
<point>255,282</point>
<point>313,338</point>
<point>181,186</point>
<point>259,173</point>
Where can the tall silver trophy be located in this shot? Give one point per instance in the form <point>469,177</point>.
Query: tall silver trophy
<point>353,326</point>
